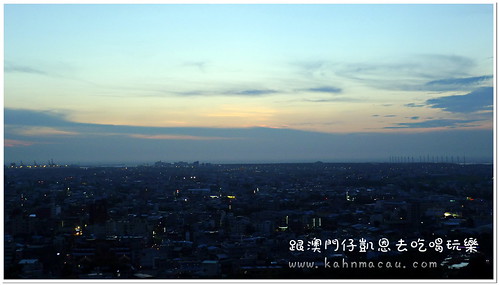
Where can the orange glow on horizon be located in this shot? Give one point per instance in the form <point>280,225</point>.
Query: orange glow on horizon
<point>16,143</point>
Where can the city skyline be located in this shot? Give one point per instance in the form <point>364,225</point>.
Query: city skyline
<point>247,83</point>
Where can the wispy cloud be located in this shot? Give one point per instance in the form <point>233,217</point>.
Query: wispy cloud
<point>43,131</point>
<point>190,93</point>
<point>336,99</point>
<point>177,137</point>
<point>12,68</point>
<point>438,123</point>
<point>324,89</point>
<point>414,105</point>
<point>423,72</point>
<point>450,84</point>
<point>200,65</point>
<point>257,92</point>
<point>479,100</point>
<point>232,92</point>
<point>252,92</point>
<point>16,143</point>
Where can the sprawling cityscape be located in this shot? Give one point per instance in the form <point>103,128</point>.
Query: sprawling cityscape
<point>201,221</point>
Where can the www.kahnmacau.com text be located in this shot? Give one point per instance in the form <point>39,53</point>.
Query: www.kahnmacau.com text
<point>343,264</point>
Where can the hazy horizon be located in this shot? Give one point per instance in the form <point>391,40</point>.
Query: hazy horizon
<point>461,160</point>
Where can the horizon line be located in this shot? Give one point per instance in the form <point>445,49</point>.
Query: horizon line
<point>192,163</point>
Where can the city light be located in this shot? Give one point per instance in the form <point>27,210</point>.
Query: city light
<point>78,231</point>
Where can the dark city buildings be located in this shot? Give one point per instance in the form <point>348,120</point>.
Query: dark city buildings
<point>198,220</point>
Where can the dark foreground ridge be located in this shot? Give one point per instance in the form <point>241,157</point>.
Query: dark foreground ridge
<point>192,220</point>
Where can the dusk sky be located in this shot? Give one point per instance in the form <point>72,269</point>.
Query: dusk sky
<point>247,83</point>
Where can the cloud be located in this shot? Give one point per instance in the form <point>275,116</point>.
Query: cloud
<point>252,92</point>
<point>255,92</point>
<point>449,84</point>
<point>43,131</point>
<point>390,116</point>
<point>461,81</point>
<point>408,73</point>
<point>11,68</point>
<point>16,143</point>
<point>414,118</point>
<point>324,89</point>
<point>200,65</point>
<point>123,143</point>
<point>243,92</point>
<point>414,105</point>
<point>418,66</point>
<point>481,99</point>
<point>191,93</point>
<point>439,123</point>
<point>22,123</point>
<point>176,137</point>
<point>35,118</point>
<point>337,99</point>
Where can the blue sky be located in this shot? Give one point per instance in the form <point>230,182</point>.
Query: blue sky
<point>134,83</point>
